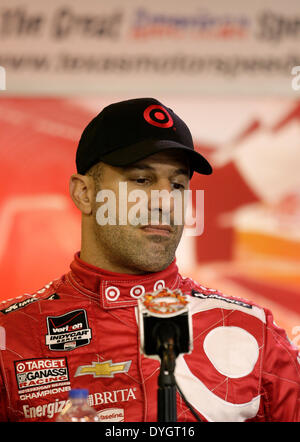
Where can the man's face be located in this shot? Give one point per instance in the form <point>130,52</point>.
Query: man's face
<point>142,247</point>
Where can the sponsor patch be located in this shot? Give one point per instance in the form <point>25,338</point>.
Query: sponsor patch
<point>106,369</point>
<point>111,415</point>
<point>222,298</point>
<point>47,410</point>
<point>112,397</point>
<point>18,305</point>
<point>69,331</point>
<point>36,374</point>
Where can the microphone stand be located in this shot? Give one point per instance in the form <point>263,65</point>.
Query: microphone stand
<point>165,331</point>
<point>166,393</point>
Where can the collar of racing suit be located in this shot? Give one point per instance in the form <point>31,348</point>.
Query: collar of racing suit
<point>115,290</point>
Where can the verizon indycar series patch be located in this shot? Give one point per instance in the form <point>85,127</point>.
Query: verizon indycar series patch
<point>68,331</point>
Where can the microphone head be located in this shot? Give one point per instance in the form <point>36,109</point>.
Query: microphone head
<point>162,307</point>
<point>164,303</point>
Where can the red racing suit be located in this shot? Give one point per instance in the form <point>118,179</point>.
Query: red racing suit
<point>80,331</point>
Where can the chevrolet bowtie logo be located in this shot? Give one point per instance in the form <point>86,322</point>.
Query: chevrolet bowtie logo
<point>104,369</point>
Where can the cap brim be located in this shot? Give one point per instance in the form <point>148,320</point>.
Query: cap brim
<point>130,154</point>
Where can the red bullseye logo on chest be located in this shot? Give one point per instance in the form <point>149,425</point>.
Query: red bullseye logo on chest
<point>158,116</point>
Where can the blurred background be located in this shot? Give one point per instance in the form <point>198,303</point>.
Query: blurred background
<point>224,66</point>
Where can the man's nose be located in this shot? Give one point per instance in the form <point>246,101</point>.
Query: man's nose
<point>160,197</point>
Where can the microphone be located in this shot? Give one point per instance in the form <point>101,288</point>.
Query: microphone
<point>164,318</point>
<point>165,332</point>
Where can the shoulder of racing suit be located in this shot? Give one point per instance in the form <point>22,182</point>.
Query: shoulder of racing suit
<point>48,292</point>
<point>205,298</point>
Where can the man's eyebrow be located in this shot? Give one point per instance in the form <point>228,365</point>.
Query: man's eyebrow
<point>138,166</point>
<point>180,171</point>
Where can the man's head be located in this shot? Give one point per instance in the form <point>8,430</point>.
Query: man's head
<point>142,147</point>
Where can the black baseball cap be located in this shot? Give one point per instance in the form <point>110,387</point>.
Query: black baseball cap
<point>128,131</point>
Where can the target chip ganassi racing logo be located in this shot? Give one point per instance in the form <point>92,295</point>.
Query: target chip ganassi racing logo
<point>40,372</point>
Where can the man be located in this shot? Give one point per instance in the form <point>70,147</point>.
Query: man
<point>80,331</point>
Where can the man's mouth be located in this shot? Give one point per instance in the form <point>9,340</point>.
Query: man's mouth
<point>160,229</point>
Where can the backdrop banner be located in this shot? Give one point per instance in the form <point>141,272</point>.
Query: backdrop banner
<point>73,47</point>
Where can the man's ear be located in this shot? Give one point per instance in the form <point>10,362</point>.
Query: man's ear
<point>82,190</point>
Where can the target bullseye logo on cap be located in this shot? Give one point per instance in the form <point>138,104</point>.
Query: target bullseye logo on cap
<point>158,116</point>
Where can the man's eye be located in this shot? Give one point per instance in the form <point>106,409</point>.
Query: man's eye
<point>178,186</point>
<point>141,180</point>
